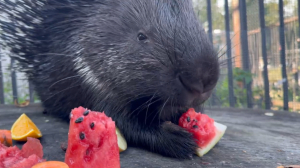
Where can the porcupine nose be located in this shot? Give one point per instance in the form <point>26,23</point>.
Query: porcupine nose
<point>193,87</point>
<point>193,91</point>
<point>197,80</point>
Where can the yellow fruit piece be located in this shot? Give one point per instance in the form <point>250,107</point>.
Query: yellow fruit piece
<point>121,141</point>
<point>23,128</point>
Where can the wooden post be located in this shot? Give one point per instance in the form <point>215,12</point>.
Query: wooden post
<point>237,34</point>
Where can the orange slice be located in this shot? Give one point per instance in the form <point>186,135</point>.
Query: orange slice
<point>23,128</point>
<point>51,164</point>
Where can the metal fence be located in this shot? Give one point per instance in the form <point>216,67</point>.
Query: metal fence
<point>260,67</point>
<point>265,74</point>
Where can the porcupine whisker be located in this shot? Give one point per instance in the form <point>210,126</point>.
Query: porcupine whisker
<point>143,107</point>
<point>224,62</point>
<point>61,92</point>
<point>128,100</point>
<point>226,45</point>
<point>70,77</point>
<point>172,109</point>
<point>143,104</point>
<point>149,106</point>
<point>159,113</point>
<point>226,51</point>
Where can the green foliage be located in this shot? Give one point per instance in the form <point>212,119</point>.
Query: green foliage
<point>239,75</point>
<point>8,94</point>
<point>242,76</point>
<point>218,21</point>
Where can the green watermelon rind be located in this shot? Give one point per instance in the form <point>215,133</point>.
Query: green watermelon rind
<point>121,140</point>
<point>221,129</point>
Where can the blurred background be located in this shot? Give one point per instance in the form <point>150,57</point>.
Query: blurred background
<point>258,47</point>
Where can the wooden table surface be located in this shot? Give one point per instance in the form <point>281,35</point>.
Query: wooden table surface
<point>252,139</point>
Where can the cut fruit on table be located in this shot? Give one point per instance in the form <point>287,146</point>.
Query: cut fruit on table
<point>122,143</point>
<point>5,138</point>
<point>32,146</point>
<point>51,164</point>
<point>23,128</point>
<point>205,130</point>
<point>30,156</point>
<point>13,157</point>
<point>220,131</point>
<point>92,140</point>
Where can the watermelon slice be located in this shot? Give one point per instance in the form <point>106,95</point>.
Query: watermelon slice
<point>13,157</point>
<point>92,140</point>
<point>205,130</point>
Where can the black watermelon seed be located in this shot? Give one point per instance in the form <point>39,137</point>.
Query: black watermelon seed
<point>195,120</point>
<point>86,112</point>
<point>92,125</point>
<point>195,126</point>
<point>79,120</point>
<point>81,135</point>
<point>188,119</point>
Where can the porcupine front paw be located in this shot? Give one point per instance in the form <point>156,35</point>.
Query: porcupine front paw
<point>176,141</point>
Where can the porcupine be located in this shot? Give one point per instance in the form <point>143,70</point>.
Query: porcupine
<point>142,62</point>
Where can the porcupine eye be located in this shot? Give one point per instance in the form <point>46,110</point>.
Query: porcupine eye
<point>141,37</point>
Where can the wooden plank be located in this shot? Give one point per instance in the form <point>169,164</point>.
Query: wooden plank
<point>253,139</point>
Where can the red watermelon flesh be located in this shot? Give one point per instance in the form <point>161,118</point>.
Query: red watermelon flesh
<point>13,157</point>
<point>10,156</point>
<point>32,146</point>
<point>92,140</point>
<point>27,162</point>
<point>205,130</point>
<point>200,125</point>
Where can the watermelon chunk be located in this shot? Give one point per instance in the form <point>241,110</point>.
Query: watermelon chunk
<point>32,146</point>
<point>92,140</point>
<point>205,130</point>
<point>27,162</point>
<point>13,157</point>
